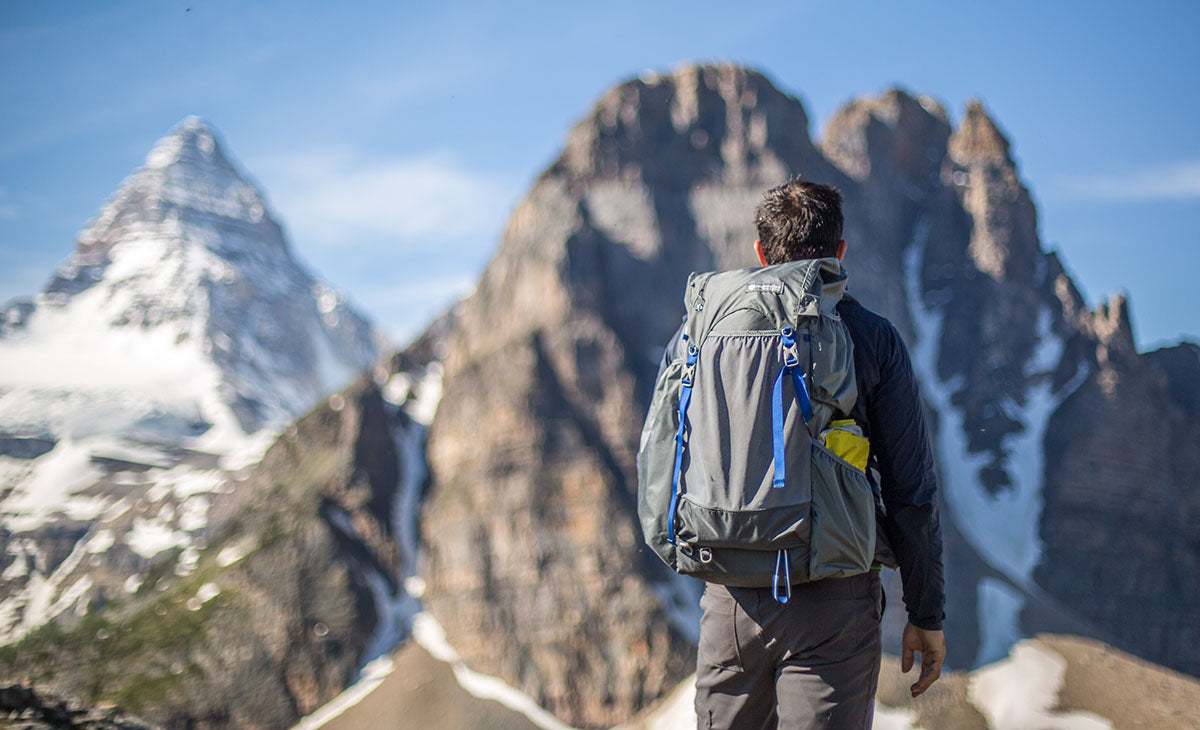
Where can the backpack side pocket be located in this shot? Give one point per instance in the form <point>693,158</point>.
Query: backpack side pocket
<point>845,440</point>
<point>656,464</point>
<point>843,517</point>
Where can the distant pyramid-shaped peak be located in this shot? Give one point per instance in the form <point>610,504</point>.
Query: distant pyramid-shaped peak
<point>183,266</point>
<point>188,179</point>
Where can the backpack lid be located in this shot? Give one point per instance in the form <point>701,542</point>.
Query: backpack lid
<point>809,287</point>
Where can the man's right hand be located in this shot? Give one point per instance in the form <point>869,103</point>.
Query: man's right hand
<point>932,647</point>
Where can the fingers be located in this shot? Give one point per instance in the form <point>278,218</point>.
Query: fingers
<point>906,660</point>
<point>931,669</point>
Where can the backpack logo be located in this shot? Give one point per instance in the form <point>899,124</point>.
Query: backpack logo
<point>774,288</point>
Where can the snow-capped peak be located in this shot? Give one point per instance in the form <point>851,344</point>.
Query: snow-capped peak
<point>169,349</point>
<point>185,171</point>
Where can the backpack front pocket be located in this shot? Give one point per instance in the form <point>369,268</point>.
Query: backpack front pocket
<point>730,458</point>
<point>765,529</point>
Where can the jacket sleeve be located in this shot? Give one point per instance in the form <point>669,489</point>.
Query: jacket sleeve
<point>908,482</point>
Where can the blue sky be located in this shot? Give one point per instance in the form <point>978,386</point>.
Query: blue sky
<point>394,138</point>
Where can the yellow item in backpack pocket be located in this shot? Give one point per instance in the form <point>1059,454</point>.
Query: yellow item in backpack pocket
<point>844,438</point>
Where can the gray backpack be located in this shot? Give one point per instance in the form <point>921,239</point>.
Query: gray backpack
<point>744,476</point>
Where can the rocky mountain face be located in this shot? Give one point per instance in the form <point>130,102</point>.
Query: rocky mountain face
<point>301,583</point>
<point>1067,459</point>
<point>162,359</point>
<point>1122,543</point>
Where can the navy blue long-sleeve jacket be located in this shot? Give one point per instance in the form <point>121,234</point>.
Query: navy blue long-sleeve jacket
<point>889,411</point>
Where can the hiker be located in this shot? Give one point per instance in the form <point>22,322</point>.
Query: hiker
<point>788,544</point>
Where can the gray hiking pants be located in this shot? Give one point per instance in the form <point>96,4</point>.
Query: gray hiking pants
<point>810,663</point>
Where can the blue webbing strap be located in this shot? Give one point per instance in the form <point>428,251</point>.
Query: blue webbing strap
<point>790,367</point>
<point>777,430</point>
<point>781,558</point>
<point>685,398</point>
<point>802,395</point>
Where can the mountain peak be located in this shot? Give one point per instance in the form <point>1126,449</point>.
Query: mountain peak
<point>191,140</point>
<point>186,178</point>
<point>896,134</point>
<point>1004,239</point>
<point>978,139</point>
<point>1114,326</point>
<point>710,119</point>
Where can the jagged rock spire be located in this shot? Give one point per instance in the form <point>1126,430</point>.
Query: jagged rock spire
<point>978,139</point>
<point>1004,240</point>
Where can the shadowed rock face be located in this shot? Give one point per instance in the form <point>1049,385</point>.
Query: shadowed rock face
<point>29,709</point>
<point>535,562</point>
<point>1122,514</point>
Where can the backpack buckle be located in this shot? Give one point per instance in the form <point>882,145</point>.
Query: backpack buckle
<point>689,368</point>
<point>705,555</point>
<point>791,358</point>
<point>787,339</point>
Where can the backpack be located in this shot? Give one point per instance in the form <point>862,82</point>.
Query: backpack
<point>745,476</point>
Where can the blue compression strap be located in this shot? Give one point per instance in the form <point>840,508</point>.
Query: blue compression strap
<point>685,398</point>
<point>790,367</point>
<point>777,430</point>
<point>802,395</point>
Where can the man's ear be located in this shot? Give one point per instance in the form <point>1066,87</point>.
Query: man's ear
<point>841,252</point>
<point>762,257</point>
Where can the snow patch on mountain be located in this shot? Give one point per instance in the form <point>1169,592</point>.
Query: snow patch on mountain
<point>676,712</point>
<point>1021,692</point>
<point>416,395</point>
<point>999,608</point>
<point>47,490</point>
<point>430,635</point>
<point>371,676</point>
<point>893,718</point>
<point>1003,527</point>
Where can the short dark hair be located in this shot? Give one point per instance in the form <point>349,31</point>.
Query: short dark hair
<point>799,220</point>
